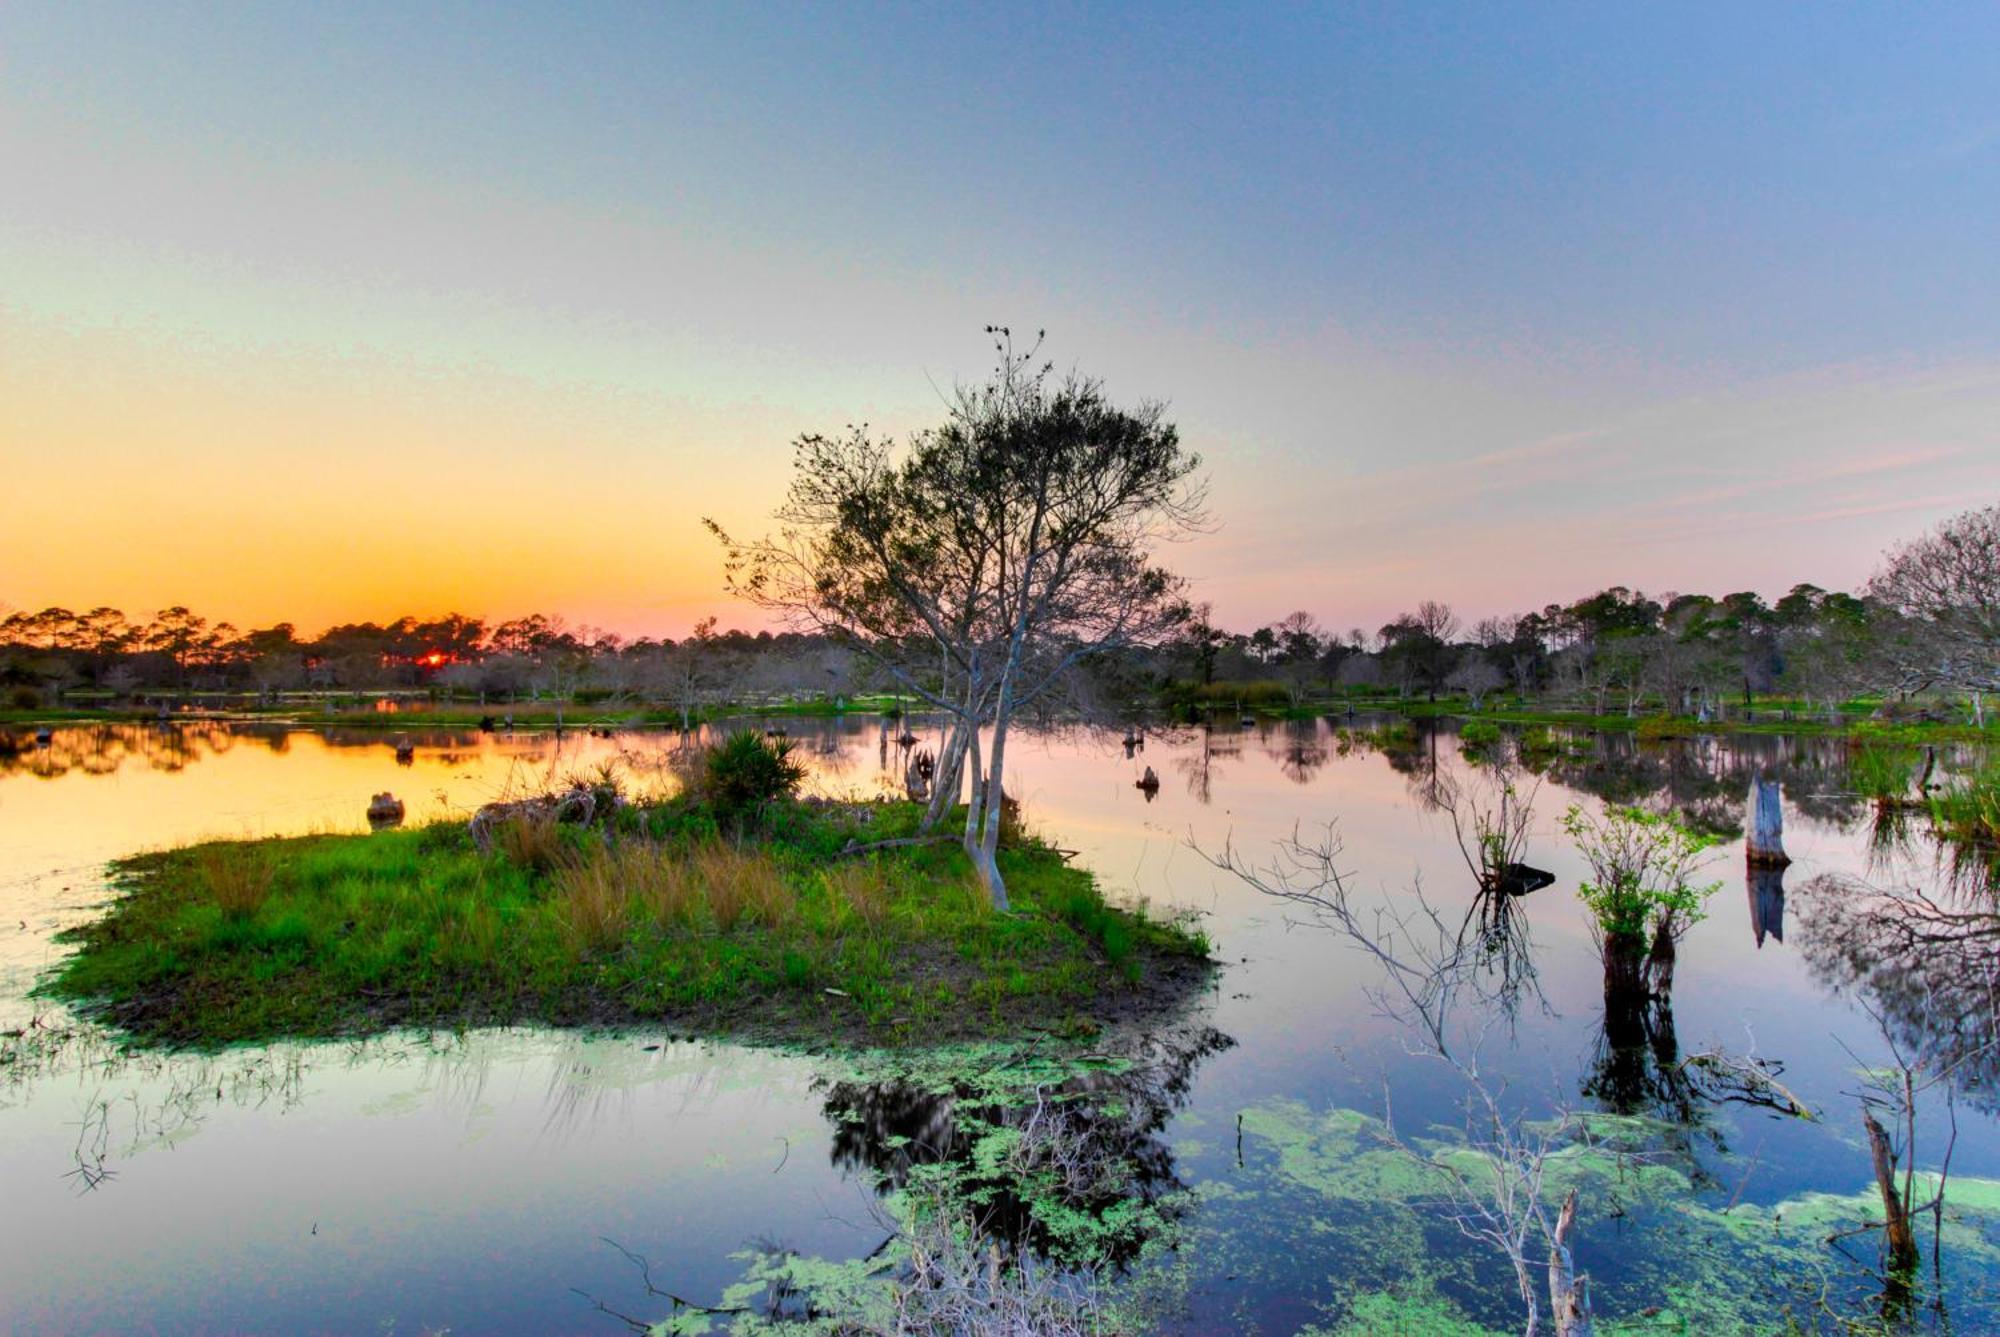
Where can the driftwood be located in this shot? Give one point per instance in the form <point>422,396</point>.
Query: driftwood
<point>578,806</point>
<point>900,842</point>
<point>1518,879</point>
<point>918,776</point>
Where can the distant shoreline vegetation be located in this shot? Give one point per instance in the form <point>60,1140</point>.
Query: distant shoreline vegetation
<point>1919,648</point>
<point>751,920</point>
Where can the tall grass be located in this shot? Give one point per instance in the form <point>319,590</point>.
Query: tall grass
<point>739,885</point>
<point>594,902</point>
<point>1881,773</point>
<point>238,877</point>
<point>534,841</point>
<point>863,887</point>
<point>1970,809</point>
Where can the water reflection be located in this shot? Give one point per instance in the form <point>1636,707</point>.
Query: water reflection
<point>604,1114</point>
<point>1058,1155</point>
<point>1930,972</point>
<point>1767,903</point>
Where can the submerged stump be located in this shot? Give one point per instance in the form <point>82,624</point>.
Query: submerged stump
<point>1765,846</point>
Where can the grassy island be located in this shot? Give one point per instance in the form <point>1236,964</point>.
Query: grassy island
<point>664,914</point>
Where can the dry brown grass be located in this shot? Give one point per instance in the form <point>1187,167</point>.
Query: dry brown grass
<point>742,884</point>
<point>534,842</point>
<point>594,902</point>
<point>660,884</point>
<point>238,879</point>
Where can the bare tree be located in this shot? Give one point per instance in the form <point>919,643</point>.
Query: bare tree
<point>1476,677</point>
<point>1947,584</point>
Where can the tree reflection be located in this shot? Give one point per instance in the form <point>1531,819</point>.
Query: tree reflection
<point>1301,753</point>
<point>1057,1160</point>
<point>1931,972</point>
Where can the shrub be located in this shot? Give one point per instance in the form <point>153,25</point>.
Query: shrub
<point>1478,737</point>
<point>746,773</point>
<point>1641,864</point>
<point>238,878</point>
<point>24,698</point>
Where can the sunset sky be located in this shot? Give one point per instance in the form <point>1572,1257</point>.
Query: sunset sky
<point>334,312</point>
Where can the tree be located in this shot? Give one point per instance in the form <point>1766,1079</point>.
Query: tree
<point>1009,544</point>
<point>1476,676</point>
<point>1947,584</point>
<point>688,668</point>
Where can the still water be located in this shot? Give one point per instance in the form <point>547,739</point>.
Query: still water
<point>493,1182</point>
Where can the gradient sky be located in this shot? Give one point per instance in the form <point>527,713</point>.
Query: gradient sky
<point>341,311</point>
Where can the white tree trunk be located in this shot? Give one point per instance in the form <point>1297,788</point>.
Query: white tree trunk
<point>1569,1300</point>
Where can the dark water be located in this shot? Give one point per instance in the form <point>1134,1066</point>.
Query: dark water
<point>472,1182</point>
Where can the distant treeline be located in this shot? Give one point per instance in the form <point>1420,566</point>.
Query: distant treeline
<point>54,654</point>
<point>1610,650</point>
<point>1928,626</point>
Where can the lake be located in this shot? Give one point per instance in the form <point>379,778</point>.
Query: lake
<point>496,1181</point>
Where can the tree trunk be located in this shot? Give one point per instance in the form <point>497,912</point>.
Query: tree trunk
<point>986,857</point>
<point>946,787</point>
<point>1765,847</point>
<point>1569,1294</point>
<point>1896,1228</point>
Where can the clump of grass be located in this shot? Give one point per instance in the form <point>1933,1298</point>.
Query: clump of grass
<point>863,887</point>
<point>1882,773</point>
<point>739,884</point>
<point>594,901</point>
<point>238,878</point>
<point>658,881</point>
<point>1970,809</point>
<point>533,841</point>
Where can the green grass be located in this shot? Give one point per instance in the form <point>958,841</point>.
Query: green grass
<point>1968,810</point>
<point>662,923</point>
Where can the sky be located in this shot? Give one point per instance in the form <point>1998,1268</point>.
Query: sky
<point>322,313</point>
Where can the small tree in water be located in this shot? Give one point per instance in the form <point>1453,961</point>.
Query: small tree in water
<point>1642,894</point>
<point>986,559</point>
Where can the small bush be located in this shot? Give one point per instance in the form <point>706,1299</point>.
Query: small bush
<point>746,773</point>
<point>238,878</point>
<point>1478,737</point>
<point>1642,865</point>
